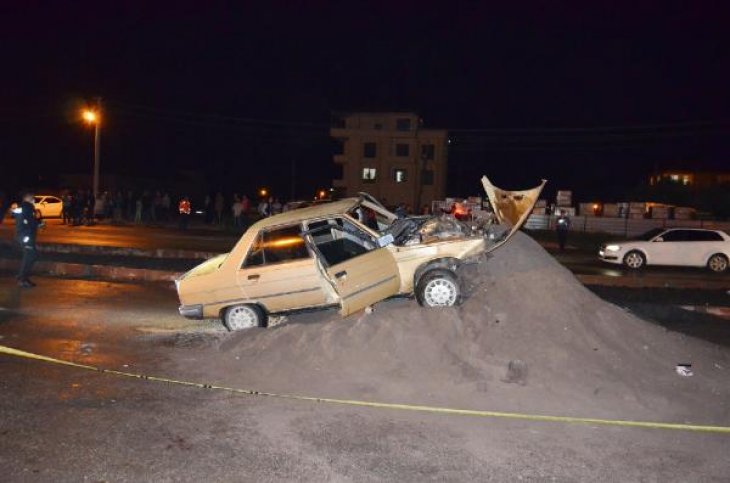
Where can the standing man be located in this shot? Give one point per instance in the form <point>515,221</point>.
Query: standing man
<point>562,226</point>
<point>26,227</point>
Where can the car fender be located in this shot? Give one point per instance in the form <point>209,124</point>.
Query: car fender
<point>448,263</point>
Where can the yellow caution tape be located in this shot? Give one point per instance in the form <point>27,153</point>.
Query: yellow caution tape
<point>404,407</point>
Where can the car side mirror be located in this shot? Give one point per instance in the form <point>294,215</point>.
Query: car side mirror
<point>658,239</point>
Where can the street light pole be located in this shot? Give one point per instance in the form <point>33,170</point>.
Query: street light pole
<point>97,145</point>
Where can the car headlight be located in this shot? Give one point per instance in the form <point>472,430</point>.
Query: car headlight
<point>613,248</point>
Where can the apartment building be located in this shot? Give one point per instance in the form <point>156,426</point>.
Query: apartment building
<point>391,156</point>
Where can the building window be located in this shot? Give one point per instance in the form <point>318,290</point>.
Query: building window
<point>428,151</point>
<point>399,175</point>
<point>339,145</point>
<point>403,124</point>
<point>369,175</point>
<point>402,149</point>
<point>427,177</point>
<point>369,150</point>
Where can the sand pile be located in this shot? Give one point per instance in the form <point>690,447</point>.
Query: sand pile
<point>530,337</point>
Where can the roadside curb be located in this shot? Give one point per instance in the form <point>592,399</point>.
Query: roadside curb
<point>103,272</point>
<point>127,274</point>
<point>124,251</point>
<point>651,282</point>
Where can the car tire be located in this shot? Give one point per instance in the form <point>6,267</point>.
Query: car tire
<point>439,288</point>
<point>718,263</point>
<point>244,316</point>
<point>634,260</point>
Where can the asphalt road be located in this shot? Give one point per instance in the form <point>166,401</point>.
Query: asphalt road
<point>201,237</point>
<point>210,239</point>
<point>62,424</point>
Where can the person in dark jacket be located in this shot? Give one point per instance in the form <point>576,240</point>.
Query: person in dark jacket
<point>562,226</point>
<point>26,227</point>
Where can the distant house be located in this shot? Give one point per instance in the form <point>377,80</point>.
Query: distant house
<point>693,179</point>
<point>391,156</point>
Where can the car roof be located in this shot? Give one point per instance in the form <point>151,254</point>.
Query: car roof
<point>317,211</point>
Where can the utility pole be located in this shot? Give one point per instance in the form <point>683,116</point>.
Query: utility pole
<point>97,145</point>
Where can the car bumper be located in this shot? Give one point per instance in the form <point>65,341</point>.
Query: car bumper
<point>192,311</point>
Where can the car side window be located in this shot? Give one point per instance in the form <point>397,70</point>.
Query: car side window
<point>698,235</point>
<point>339,240</point>
<point>676,236</point>
<point>52,200</point>
<point>276,246</point>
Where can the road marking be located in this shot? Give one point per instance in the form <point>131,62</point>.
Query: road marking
<point>372,404</point>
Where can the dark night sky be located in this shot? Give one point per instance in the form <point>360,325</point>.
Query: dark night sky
<point>186,85</point>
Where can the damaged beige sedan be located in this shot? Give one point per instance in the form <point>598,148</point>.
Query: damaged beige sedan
<point>349,254</point>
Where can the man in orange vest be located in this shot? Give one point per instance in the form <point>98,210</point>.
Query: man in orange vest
<point>185,209</point>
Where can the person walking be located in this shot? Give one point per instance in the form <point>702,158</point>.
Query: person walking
<point>219,204</point>
<point>562,226</point>
<point>66,209</point>
<point>237,211</point>
<point>26,226</point>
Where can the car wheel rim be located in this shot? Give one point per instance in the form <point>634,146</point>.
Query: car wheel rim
<point>634,260</point>
<point>242,318</point>
<point>440,293</point>
<point>718,264</point>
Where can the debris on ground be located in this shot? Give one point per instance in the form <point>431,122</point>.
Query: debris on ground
<point>586,357</point>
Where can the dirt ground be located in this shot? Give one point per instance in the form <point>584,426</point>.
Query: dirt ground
<point>530,338</point>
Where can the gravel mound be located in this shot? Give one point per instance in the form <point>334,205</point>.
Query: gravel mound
<point>530,337</point>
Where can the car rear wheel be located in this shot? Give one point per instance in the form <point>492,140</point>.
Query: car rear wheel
<point>438,288</point>
<point>634,260</point>
<point>718,263</point>
<point>240,317</point>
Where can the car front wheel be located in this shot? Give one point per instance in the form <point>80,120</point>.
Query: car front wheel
<point>240,317</point>
<point>438,288</point>
<point>718,263</point>
<point>634,260</point>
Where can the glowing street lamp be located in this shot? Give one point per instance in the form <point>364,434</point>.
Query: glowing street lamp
<point>263,192</point>
<point>92,117</point>
<point>89,116</point>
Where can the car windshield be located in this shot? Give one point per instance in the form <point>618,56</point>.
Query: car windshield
<point>649,234</point>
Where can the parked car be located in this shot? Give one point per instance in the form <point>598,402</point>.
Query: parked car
<point>46,206</point>
<point>323,256</point>
<point>689,247</point>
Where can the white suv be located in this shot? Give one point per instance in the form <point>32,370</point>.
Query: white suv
<point>689,247</point>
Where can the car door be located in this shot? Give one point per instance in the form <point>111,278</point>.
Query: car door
<point>280,272</point>
<point>705,243</point>
<point>358,269</point>
<point>51,207</point>
<point>670,248</point>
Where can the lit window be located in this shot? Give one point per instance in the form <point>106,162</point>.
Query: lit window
<point>402,150</point>
<point>674,177</point>
<point>369,175</point>
<point>685,180</point>
<point>399,175</point>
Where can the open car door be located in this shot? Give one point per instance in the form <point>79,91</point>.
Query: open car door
<point>358,269</point>
<point>511,208</point>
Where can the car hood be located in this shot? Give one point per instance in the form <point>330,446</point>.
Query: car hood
<point>511,208</point>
